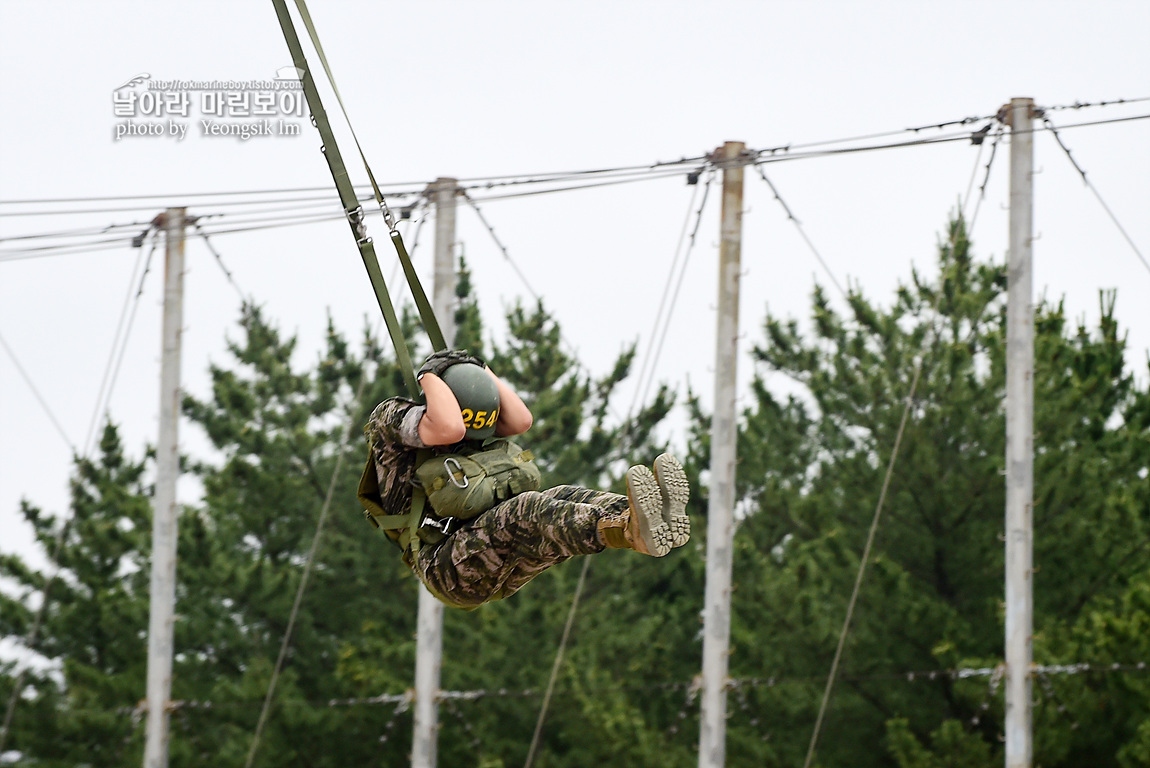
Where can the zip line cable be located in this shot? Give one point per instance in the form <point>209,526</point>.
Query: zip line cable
<point>527,177</point>
<point>679,284</point>
<point>884,134</point>
<point>257,224</point>
<point>571,349</point>
<point>772,158</point>
<point>862,566</point>
<point>802,232</point>
<point>774,154</point>
<point>219,259</point>
<point>908,676</point>
<point>320,523</point>
<point>587,561</point>
<point>1094,189</point>
<point>763,156</point>
<point>39,398</point>
<point>986,178</point>
<point>84,232</point>
<point>502,248</point>
<point>216,203</point>
<point>57,546</point>
<point>558,660</point>
<point>1087,104</point>
<point>647,362</point>
<point>120,338</point>
<point>865,558</point>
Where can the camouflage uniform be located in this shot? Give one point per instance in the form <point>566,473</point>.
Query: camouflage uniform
<point>500,550</point>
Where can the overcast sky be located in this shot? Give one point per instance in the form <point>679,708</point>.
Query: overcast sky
<point>496,88</point>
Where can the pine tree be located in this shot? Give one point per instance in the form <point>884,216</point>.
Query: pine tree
<point>78,701</point>
<point>811,466</point>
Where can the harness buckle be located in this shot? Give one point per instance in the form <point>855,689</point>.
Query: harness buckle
<point>448,525</point>
<point>355,218</point>
<point>451,473</point>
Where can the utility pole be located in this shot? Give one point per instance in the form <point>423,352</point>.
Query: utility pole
<point>429,624</point>
<point>1019,439</point>
<point>720,509</point>
<point>163,586</point>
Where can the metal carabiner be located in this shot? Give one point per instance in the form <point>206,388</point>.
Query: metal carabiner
<point>451,474</point>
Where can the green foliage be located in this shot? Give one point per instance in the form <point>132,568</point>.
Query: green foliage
<point>814,443</point>
<point>78,703</point>
<point>810,472</point>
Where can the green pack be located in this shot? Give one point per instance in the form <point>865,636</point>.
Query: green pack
<point>470,481</point>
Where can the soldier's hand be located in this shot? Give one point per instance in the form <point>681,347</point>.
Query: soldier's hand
<point>438,362</point>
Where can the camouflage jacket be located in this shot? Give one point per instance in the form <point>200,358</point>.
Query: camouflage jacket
<point>393,439</point>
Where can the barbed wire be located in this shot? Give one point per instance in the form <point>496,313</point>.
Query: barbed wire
<point>690,688</point>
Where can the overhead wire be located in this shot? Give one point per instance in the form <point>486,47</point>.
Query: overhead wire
<point>319,526</point>
<point>259,224</point>
<point>658,345</point>
<point>986,178</point>
<point>213,203</point>
<point>120,339</point>
<point>36,393</point>
<point>83,232</point>
<point>762,159</point>
<point>646,362</point>
<point>868,136</point>
<point>802,232</point>
<point>777,154</point>
<point>57,546</point>
<point>867,547</point>
<point>1089,185</point>
<point>676,167</point>
<point>579,585</point>
<point>502,248</point>
<point>219,259</point>
<point>570,348</point>
<point>1087,104</point>
<point>555,665</point>
<point>403,700</point>
<point>310,559</point>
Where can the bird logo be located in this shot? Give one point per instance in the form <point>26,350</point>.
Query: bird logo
<point>134,81</point>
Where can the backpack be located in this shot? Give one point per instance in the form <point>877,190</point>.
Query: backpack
<point>469,481</point>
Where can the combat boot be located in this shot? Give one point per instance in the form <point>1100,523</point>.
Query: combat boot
<point>641,527</point>
<point>675,490</point>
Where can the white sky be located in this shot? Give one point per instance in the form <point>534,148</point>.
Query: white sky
<point>481,89</point>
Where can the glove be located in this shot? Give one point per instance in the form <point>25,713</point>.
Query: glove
<point>438,362</point>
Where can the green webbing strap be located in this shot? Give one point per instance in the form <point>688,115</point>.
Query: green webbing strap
<point>426,313</point>
<point>355,215</point>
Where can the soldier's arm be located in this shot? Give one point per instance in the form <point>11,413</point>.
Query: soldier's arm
<point>442,424</point>
<point>514,416</point>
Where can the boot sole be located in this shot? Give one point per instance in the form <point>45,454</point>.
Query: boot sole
<point>649,531</point>
<point>675,491</point>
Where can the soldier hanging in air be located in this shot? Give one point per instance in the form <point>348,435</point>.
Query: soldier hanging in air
<point>464,504</point>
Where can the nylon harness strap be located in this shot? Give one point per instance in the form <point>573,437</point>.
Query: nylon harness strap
<point>407,524</point>
<point>354,212</point>
<point>426,313</point>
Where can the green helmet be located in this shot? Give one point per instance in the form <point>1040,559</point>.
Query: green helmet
<point>478,398</point>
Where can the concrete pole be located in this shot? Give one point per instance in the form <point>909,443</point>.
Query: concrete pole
<point>163,584</point>
<point>1019,440</point>
<point>443,291</point>
<point>429,624</point>
<point>720,509</point>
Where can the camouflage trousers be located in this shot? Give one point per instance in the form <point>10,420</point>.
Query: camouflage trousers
<point>499,551</point>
